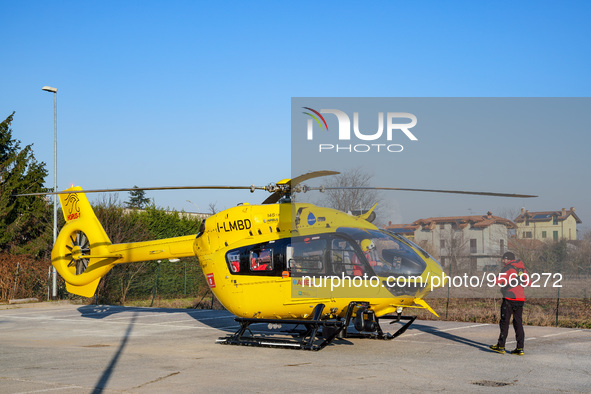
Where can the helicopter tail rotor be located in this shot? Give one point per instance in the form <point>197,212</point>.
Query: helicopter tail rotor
<point>83,253</point>
<point>79,242</point>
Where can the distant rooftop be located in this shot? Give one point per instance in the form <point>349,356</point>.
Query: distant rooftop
<point>476,221</point>
<point>545,216</point>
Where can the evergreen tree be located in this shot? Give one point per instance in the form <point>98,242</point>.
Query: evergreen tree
<point>137,199</point>
<point>24,221</point>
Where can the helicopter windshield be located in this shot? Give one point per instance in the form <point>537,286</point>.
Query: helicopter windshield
<point>386,255</point>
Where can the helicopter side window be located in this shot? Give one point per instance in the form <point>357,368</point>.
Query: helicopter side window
<point>234,261</point>
<point>265,259</point>
<point>261,260</point>
<point>308,256</point>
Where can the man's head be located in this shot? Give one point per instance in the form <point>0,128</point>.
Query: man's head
<point>508,256</point>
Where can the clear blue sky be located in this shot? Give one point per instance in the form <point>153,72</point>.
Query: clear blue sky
<point>156,93</point>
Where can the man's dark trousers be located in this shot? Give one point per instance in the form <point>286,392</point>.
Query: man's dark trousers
<point>508,308</point>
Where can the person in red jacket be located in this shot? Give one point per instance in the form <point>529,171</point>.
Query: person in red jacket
<point>512,278</point>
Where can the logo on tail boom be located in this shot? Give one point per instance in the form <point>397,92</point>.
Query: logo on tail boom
<point>72,206</point>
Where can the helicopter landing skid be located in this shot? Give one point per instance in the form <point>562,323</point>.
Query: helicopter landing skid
<point>367,323</point>
<point>317,330</point>
<point>379,334</point>
<point>308,338</point>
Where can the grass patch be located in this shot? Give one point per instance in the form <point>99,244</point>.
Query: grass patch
<point>178,303</point>
<point>572,313</point>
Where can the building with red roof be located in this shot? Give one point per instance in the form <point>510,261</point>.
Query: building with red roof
<point>474,242</point>
<point>548,225</point>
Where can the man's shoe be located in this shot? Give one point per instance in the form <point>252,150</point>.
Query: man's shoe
<point>518,352</point>
<point>498,349</point>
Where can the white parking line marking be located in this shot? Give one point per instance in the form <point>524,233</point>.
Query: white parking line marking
<point>562,333</point>
<point>445,330</point>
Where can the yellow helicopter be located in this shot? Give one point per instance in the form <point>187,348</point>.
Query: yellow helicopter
<point>279,263</point>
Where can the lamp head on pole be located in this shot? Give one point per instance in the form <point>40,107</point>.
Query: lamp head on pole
<point>49,89</point>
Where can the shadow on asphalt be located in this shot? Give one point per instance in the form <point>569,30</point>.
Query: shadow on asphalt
<point>101,384</point>
<point>451,337</point>
<point>224,321</point>
<point>218,319</point>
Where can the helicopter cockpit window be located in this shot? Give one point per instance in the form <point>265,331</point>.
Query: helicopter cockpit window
<point>308,256</point>
<point>386,255</point>
<point>261,260</point>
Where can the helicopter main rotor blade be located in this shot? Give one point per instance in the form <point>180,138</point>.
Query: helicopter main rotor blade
<point>304,177</point>
<point>251,188</point>
<point>424,190</point>
<point>273,198</point>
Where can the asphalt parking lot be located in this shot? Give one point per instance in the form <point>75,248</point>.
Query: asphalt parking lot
<point>63,348</point>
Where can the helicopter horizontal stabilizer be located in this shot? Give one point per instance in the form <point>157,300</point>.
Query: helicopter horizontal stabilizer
<point>85,290</point>
<point>369,215</point>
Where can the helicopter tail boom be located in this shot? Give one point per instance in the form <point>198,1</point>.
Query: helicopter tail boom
<point>83,253</point>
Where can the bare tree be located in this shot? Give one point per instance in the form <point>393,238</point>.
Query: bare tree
<point>350,200</point>
<point>528,251</point>
<point>581,256</point>
<point>455,247</point>
<point>509,213</point>
<point>212,208</point>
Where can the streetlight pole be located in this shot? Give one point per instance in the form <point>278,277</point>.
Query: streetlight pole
<point>54,91</point>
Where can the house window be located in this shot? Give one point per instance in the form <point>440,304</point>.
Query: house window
<point>555,235</point>
<point>527,234</point>
<point>527,221</point>
<point>502,246</point>
<point>442,243</point>
<point>442,226</point>
<point>543,234</point>
<point>555,220</point>
<point>473,245</point>
<point>442,261</point>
